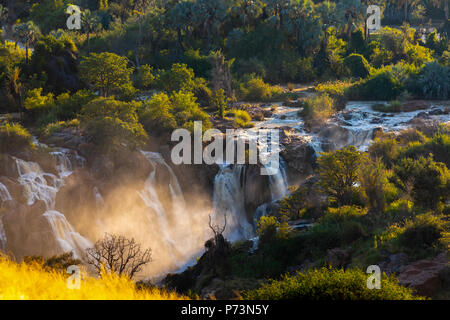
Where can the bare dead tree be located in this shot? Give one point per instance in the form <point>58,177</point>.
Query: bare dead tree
<point>118,254</point>
<point>218,250</point>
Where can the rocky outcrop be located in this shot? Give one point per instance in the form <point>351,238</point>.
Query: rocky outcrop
<point>424,275</point>
<point>297,152</point>
<point>256,190</point>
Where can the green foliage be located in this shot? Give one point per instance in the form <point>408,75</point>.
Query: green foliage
<point>422,233</point>
<point>255,89</point>
<point>145,77</point>
<point>35,102</point>
<point>106,72</point>
<point>386,149</point>
<point>427,181</point>
<point>180,109</point>
<point>373,180</point>
<point>113,124</point>
<point>267,228</point>
<point>358,65</point>
<point>178,78</point>
<point>382,86</point>
<point>438,145</point>
<point>14,138</point>
<point>49,14</point>
<point>338,172</point>
<point>435,81</point>
<point>241,118</point>
<point>392,107</point>
<point>219,102</point>
<point>338,227</point>
<point>317,110</point>
<point>330,284</point>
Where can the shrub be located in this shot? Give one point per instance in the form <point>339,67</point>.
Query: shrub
<point>330,284</point>
<point>267,228</point>
<point>241,119</point>
<point>338,173</point>
<point>14,138</point>
<point>255,89</point>
<point>316,111</point>
<point>427,180</point>
<point>438,145</point>
<point>423,232</point>
<point>178,78</point>
<point>435,81</point>
<point>107,72</point>
<point>37,103</point>
<point>392,107</point>
<point>358,65</point>
<point>387,150</point>
<point>382,86</point>
<point>155,114</point>
<point>373,179</point>
<point>113,124</point>
<point>145,77</point>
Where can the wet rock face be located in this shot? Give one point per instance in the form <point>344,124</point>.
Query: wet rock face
<point>298,153</point>
<point>424,275</point>
<point>256,190</point>
<point>27,231</point>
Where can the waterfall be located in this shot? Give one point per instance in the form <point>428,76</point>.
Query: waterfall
<point>39,185</point>
<point>174,225</point>
<point>4,193</point>
<point>228,199</point>
<point>278,183</point>
<point>4,196</point>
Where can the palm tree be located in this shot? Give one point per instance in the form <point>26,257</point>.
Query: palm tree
<point>28,33</point>
<point>406,4</point>
<point>90,23</point>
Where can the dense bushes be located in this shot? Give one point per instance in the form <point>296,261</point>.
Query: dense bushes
<point>428,181</point>
<point>255,89</point>
<point>163,112</point>
<point>14,138</point>
<point>316,111</point>
<point>330,284</point>
<point>358,65</point>
<point>113,124</point>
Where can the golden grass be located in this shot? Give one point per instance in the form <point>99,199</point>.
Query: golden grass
<point>31,281</point>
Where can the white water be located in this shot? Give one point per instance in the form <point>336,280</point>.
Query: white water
<point>4,196</point>
<point>39,185</point>
<point>4,193</point>
<point>173,229</point>
<point>228,199</point>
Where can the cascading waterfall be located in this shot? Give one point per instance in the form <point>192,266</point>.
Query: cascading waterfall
<point>171,226</point>
<point>42,186</point>
<point>228,199</point>
<point>4,196</point>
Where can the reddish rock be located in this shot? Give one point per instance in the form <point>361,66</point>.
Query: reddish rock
<point>423,275</point>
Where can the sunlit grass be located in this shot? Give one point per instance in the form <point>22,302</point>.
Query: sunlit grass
<point>31,281</point>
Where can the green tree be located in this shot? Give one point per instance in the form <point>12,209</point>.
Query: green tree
<point>427,180</point>
<point>338,172</point>
<point>220,102</point>
<point>106,72</point>
<point>28,33</point>
<point>178,78</point>
<point>89,22</point>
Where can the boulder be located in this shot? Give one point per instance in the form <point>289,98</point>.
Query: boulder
<point>423,275</point>
<point>297,152</point>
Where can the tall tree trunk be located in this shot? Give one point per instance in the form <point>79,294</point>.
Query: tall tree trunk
<point>406,10</point>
